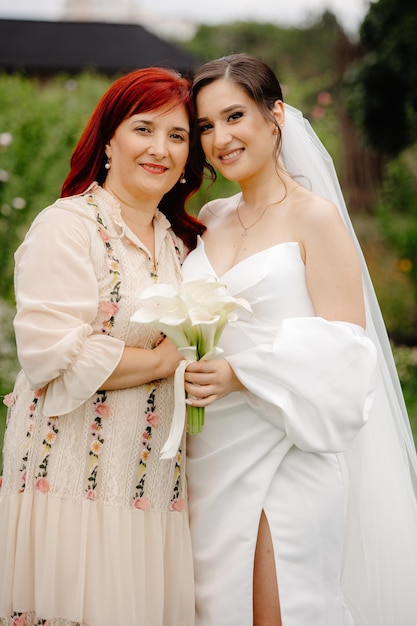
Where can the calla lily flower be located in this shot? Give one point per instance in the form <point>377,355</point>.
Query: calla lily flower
<point>193,318</point>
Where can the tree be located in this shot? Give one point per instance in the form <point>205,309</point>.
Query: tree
<point>381,91</point>
<point>295,54</point>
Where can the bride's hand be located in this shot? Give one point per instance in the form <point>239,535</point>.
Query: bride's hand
<point>207,381</point>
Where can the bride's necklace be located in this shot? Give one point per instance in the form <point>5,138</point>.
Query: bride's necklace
<point>244,233</point>
<point>246,228</point>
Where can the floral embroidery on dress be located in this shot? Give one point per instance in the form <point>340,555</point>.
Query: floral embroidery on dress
<point>19,619</point>
<point>154,271</point>
<point>9,400</point>
<point>178,252</point>
<point>153,421</point>
<point>111,308</point>
<point>41,482</point>
<point>31,420</point>
<point>102,411</point>
<point>30,619</point>
<point>177,503</point>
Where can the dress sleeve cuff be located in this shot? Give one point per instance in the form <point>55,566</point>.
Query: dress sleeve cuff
<point>82,379</point>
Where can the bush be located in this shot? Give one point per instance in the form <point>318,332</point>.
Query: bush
<point>393,285</point>
<point>406,362</point>
<point>397,210</point>
<point>39,126</point>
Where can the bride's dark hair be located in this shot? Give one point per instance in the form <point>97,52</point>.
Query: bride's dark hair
<point>252,74</point>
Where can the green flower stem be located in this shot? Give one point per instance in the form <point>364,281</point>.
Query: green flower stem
<point>195,419</point>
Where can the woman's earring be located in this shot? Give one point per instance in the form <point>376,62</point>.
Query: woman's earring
<point>183,180</point>
<point>108,164</point>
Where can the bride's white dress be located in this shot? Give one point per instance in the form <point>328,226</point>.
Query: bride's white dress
<point>277,447</point>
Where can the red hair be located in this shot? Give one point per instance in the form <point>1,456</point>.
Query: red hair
<point>142,90</point>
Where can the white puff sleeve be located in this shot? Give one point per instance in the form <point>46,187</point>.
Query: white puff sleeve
<point>316,381</point>
<point>57,301</point>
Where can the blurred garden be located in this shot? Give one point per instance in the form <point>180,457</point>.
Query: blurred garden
<point>361,98</point>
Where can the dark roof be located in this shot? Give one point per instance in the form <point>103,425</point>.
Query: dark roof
<point>45,48</point>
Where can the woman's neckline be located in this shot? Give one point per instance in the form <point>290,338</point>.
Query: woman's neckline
<point>247,258</point>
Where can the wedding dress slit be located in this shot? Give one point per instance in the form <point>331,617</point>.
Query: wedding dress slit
<point>266,608</point>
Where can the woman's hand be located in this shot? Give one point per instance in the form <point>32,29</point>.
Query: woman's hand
<point>139,366</point>
<point>207,381</point>
<point>168,358</point>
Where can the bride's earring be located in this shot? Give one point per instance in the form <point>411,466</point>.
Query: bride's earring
<point>108,164</point>
<point>183,180</point>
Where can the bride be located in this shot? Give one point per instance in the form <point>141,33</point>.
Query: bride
<point>301,484</point>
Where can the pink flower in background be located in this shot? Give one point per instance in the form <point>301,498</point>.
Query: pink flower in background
<point>42,485</point>
<point>317,113</point>
<point>6,139</point>
<point>324,98</point>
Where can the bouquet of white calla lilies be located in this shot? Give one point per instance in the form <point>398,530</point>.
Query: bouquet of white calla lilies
<point>194,319</point>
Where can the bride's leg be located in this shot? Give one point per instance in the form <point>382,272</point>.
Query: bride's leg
<point>266,608</point>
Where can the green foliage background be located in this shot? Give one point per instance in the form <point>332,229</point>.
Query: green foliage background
<point>44,122</point>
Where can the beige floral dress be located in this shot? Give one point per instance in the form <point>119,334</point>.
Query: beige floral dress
<point>94,526</point>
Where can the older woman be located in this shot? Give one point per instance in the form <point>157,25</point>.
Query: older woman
<point>94,526</point>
